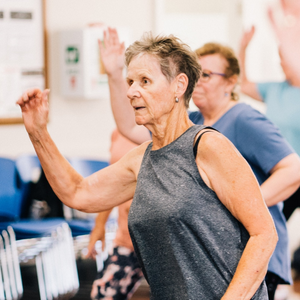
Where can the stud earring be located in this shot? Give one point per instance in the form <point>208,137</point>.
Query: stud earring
<point>226,94</point>
<point>176,100</point>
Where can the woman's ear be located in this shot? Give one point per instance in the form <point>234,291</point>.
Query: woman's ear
<point>181,84</point>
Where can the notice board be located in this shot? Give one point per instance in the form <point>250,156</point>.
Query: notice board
<point>22,53</point>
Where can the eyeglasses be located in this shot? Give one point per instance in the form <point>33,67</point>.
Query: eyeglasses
<point>206,75</point>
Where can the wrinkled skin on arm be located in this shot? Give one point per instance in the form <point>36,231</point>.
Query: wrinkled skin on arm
<point>102,190</point>
<point>226,172</point>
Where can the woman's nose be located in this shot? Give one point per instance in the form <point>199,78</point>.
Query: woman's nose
<point>133,91</point>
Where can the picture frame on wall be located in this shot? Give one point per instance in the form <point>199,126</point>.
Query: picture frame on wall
<point>23,53</point>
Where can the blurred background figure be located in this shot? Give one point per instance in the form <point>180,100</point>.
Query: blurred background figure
<point>285,20</point>
<point>282,99</point>
<point>121,274</point>
<point>283,105</point>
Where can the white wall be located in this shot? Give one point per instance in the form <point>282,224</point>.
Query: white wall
<point>263,63</point>
<point>82,127</point>
<point>79,127</point>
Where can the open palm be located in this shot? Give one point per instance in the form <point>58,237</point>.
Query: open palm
<point>112,51</point>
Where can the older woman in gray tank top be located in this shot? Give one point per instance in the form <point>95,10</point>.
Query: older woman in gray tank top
<point>199,224</point>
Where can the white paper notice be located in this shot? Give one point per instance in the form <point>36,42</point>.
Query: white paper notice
<point>21,52</point>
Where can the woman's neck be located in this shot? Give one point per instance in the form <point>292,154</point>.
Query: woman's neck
<point>211,116</point>
<point>169,128</point>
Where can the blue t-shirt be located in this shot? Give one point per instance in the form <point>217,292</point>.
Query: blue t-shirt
<point>262,145</point>
<point>283,108</point>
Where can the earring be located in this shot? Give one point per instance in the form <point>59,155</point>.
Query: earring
<point>176,99</point>
<point>226,94</point>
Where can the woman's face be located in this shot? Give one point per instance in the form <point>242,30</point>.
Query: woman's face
<point>212,92</point>
<point>151,94</point>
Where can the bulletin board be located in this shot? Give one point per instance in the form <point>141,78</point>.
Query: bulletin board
<point>22,53</point>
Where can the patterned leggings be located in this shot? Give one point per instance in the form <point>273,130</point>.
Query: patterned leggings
<point>120,276</point>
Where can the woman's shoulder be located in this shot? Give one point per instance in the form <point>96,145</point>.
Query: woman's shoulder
<point>132,160</point>
<point>138,152</point>
<point>212,140</point>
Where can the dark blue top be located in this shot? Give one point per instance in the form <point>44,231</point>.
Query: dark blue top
<point>262,145</point>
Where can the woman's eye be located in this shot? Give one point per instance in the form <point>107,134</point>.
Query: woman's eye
<point>205,75</point>
<point>145,81</point>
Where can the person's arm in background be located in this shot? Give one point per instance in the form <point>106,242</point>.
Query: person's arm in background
<point>112,55</point>
<point>262,144</point>
<point>247,87</point>
<point>284,180</point>
<point>98,233</point>
<point>285,21</point>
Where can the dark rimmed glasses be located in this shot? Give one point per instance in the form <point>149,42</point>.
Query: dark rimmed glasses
<point>206,75</point>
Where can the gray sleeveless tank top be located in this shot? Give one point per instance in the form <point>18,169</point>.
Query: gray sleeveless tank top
<point>187,242</point>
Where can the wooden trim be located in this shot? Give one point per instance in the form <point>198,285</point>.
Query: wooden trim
<point>45,44</point>
<point>6,121</point>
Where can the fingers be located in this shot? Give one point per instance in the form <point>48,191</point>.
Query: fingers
<point>111,38</point>
<point>45,94</point>
<point>122,48</point>
<point>29,95</point>
<point>91,253</point>
<point>114,36</point>
<point>249,34</point>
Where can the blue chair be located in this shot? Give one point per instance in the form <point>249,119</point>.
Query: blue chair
<point>47,241</point>
<point>86,167</point>
<point>10,195</point>
<point>12,200</point>
<point>28,168</point>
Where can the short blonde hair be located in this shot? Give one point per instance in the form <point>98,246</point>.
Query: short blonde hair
<point>227,53</point>
<point>173,55</point>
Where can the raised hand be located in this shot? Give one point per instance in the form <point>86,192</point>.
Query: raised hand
<point>35,110</point>
<point>285,21</point>
<point>245,40</point>
<point>247,37</point>
<point>112,52</point>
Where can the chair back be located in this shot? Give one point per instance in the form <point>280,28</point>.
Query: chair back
<point>85,224</point>
<point>28,170</point>
<point>10,194</point>
<point>87,167</point>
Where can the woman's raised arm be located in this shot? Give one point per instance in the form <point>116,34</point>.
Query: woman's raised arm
<point>112,55</point>
<point>100,191</point>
